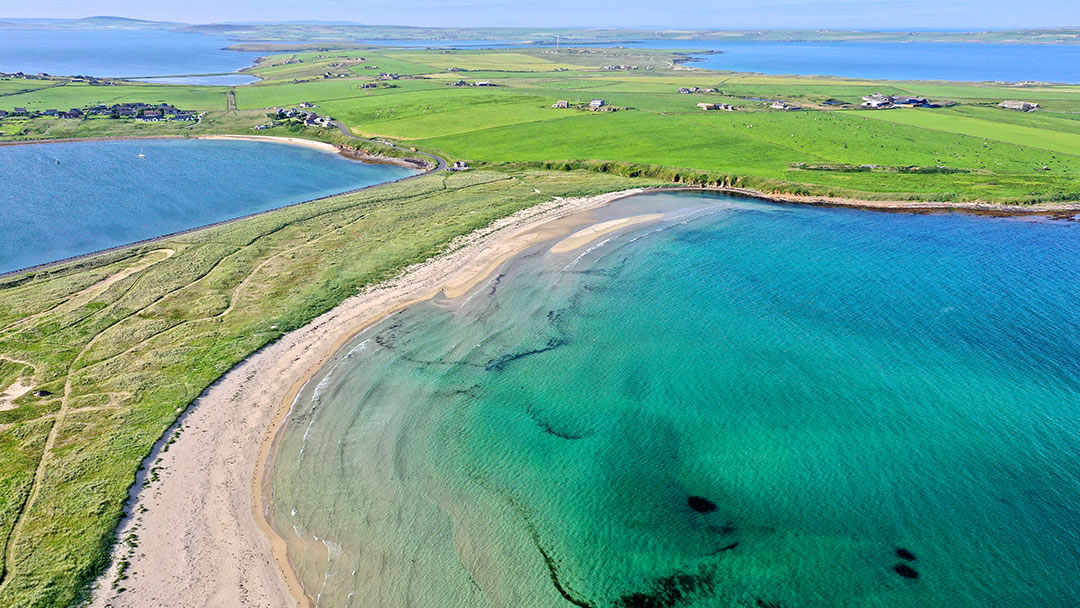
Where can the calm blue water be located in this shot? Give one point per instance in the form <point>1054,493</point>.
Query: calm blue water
<point>118,53</point>
<point>894,60</point>
<point>877,60</point>
<point>742,405</point>
<point>222,80</point>
<point>102,194</point>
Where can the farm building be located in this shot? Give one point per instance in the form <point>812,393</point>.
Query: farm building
<point>716,106</point>
<point>1020,106</point>
<point>562,104</point>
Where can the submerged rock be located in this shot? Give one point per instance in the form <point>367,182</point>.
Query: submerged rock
<point>905,571</point>
<point>903,553</point>
<point>700,504</point>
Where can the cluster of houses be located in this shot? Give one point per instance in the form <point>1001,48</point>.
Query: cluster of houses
<point>141,112</point>
<point>620,68</point>
<point>478,83</point>
<point>716,106</point>
<point>693,90</point>
<point>596,105</point>
<point>292,61</point>
<point>43,76</point>
<point>300,114</point>
<point>1019,106</point>
<point>21,76</point>
<point>878,101</point>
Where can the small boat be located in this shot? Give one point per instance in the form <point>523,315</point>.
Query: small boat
<point>142,156</point>
<point>58,161</point>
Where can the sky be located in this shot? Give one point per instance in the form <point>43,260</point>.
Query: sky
<point>695,14</point>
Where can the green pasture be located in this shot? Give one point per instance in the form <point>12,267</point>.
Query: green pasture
<point>77,95</point>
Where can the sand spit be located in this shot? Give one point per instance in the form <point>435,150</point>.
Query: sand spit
<point>587,235</point>
<point>360,155</point>
<point>202,536</point>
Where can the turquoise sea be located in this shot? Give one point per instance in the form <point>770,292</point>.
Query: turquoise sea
<point>66,199</point>
<point>743,404</point>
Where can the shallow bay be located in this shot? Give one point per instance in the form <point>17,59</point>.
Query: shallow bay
<point>745,404</point>
<point>66,199</point>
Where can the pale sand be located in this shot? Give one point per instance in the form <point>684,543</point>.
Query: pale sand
<point>296,141</point>
<point>204,540</point>
<point>19,388</point>
<point>587,235</point>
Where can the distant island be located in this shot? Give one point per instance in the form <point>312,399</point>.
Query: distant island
<point>283,32</point>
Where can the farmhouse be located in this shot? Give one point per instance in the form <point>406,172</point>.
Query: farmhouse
<point>716,106</point>
<point>877,101</point>
<point>459,166</point>
<point>783,105</point>
<point>910,101</point>
<point>562,104</point>
<point>596,104</point>
<point>1019,106</point>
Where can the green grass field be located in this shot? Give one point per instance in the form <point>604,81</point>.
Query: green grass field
<point>77,95</point>
<point>123,342</point>
<point>996,155</point>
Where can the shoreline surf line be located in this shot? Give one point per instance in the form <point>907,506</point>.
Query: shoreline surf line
<point>163,237</point>
<point>226,552</point>
<point>495,249</point>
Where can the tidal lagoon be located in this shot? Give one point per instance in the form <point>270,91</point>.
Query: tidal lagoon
<point>67,199</point>
<point>737,404</point>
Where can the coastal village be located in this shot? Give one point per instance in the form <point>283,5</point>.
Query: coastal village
<point>299,115</point>
<point>141,112</point>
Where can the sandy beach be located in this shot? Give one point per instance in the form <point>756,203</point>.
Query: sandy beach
<point>295,141</point>
<point>200,533</point>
